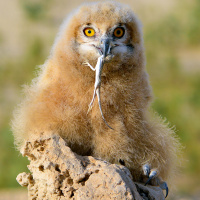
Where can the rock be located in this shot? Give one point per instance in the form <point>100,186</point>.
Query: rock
<point>57,173</point>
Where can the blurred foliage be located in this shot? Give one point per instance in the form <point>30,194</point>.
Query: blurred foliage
<point>21,71</point>
<point>11,160</point>
<point>194,25</point>
<point>177,92</point>
<point>15,73</point>
<point>35,10</point>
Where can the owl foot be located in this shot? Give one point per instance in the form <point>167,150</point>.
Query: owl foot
<point>153,179</point>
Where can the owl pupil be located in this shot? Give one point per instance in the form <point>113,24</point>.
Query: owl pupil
<point>89,31</point>
<point>118,32</point>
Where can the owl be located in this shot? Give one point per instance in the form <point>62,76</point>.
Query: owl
<point>99,51</point>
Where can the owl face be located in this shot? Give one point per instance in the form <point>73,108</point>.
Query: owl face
<point>102,28</point>
<point>98,39</point>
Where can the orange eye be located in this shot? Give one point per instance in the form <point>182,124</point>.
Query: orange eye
<point>89,32</point>
<point>119,32</point>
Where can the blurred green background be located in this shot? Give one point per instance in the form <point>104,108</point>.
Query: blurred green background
<point>172,41</point>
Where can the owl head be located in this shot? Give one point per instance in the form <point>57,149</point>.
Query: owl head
<point>102,28</point>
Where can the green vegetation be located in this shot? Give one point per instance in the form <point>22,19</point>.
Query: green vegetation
<point>14,74</point>
<point>35,10</point>
<point>176,89</point>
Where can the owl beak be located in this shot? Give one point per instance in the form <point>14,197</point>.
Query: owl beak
<point>105,46</point>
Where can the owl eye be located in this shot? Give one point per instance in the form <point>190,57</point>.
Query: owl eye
<point>89,32</point>
<point>119,32</point>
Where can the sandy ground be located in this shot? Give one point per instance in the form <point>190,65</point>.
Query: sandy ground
<point>13,194</point>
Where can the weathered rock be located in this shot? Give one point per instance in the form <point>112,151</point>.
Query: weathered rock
<point>57,173</point>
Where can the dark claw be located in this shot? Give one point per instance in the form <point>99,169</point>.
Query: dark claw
<point>152,175</point>
<point>148,181</point>
<point>167,190</point>
<point>164,186</point>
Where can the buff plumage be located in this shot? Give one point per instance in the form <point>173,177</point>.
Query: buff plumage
<point>57,100</point>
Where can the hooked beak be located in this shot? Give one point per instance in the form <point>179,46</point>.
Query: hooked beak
<point>105,46</point>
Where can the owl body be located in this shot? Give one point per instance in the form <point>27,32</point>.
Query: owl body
<point>57,100</point>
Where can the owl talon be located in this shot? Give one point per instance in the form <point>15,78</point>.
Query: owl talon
<point>164,186</point>
<point>151,174</point>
